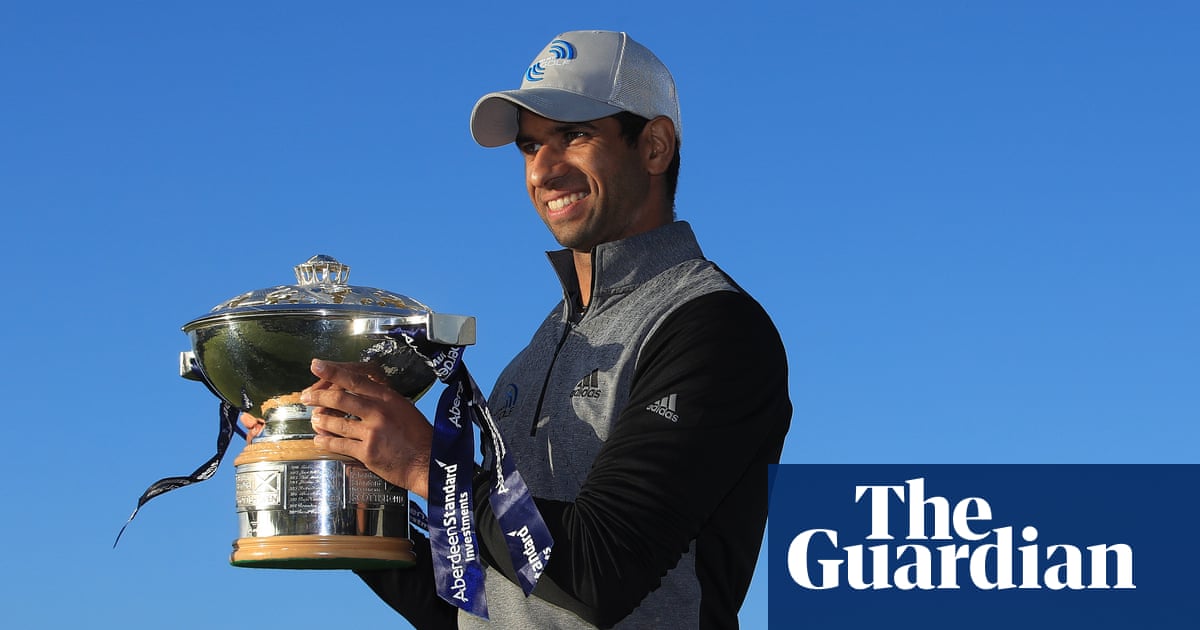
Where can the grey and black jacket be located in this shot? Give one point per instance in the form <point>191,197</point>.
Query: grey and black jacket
<point>643,427</point>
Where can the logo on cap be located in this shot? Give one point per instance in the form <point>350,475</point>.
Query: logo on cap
<point>561,51</point>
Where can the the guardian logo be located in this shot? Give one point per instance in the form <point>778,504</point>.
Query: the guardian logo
<point>949,546</point>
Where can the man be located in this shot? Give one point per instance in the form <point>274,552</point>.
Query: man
<point>645,411</point>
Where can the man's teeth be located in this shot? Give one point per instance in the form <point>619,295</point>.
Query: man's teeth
<point>561,202</point>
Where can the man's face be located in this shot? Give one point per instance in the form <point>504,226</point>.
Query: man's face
<point>585,181</point>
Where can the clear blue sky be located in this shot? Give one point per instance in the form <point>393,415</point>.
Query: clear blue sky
<point>975,224</point>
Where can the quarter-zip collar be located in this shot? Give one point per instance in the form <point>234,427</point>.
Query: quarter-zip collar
<point>620,266</point>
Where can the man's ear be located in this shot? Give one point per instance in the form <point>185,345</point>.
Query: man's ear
<point>658,145</point>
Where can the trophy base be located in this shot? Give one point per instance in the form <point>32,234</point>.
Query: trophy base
<point>323,552</point>
<point>301,507</point>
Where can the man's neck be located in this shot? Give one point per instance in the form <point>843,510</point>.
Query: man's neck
<point>583,272</point>
<point>583,259</point>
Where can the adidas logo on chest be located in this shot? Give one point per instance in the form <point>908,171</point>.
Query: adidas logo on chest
<point>588,386</point>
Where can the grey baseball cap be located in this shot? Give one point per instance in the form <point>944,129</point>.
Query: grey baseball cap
<point>581,76</point>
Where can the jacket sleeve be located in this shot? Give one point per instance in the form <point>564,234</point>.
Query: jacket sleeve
<point>411,592</point>
<point>661,477</point>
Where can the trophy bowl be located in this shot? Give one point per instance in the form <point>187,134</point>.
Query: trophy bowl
<point>300,506</point>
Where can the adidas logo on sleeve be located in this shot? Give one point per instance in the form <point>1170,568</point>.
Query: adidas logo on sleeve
<point>665,408</point>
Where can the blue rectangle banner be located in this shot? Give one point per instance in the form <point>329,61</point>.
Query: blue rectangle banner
<point>983,546</point>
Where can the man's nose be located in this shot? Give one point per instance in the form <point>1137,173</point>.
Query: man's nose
<point>546,165</point>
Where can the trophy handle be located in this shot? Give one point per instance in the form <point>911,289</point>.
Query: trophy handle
<point>452,330</point>
<point>187,366</point>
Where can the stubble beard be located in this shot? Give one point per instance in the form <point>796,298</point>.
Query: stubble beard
<point>580,235</point>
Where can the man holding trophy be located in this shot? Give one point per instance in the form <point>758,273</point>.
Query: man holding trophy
<point>643,414</point>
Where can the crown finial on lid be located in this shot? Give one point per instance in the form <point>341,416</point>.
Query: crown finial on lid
<point>322,270</point>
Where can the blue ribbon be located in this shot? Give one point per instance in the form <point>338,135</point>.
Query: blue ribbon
<point>458,571</point>
<point>228,427</point>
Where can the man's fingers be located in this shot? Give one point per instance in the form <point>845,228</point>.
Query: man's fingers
<point>332,424</point>
<point>345,446</point>
<point>360,378</point>
<point>322,385</point>
<point>335,403</point>
<point>248,421</point>
<point>251,424</point>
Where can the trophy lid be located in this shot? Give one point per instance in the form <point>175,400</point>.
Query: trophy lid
<point>322,284</point>
<point>259,345</point>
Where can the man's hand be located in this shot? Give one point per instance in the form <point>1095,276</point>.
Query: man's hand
<point>357,414</point>
<point>252,424</point>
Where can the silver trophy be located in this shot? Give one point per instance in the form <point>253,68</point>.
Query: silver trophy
<point>299,506</point>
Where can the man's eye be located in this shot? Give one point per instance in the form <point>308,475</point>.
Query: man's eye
<point>529,148</point>
<point>571,136</point>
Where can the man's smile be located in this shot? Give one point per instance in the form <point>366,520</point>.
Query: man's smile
<point>555,205</point>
